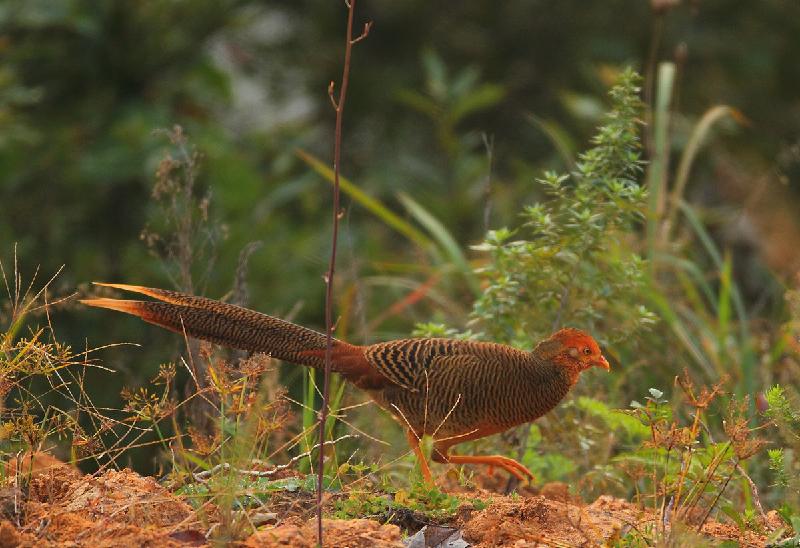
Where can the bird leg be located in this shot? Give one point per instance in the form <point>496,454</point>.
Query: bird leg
<point>441,454</point>
<point>510,465</point>
<point>413,441</point>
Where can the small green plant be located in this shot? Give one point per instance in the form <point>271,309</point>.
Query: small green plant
<point>428,502</point>
<point>784,412</point>
<point>679,468</point>
<point>43,401</point>
<point>783,409</point>
<point>228,463</point>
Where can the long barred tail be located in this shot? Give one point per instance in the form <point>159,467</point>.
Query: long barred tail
<point>223,324</point>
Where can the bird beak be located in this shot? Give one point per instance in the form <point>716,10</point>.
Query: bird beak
<point>602,362</point>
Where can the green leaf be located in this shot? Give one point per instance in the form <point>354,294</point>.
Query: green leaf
<point>731,512</point>
<point>613,418</point>
<point>419,102</point>
<point>436,74</point>
<point>484,97</point>
<point>560,139</point>
<point>659,163</point>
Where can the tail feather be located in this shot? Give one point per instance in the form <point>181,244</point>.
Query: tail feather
<point>174,297</point>
<point>224,324</point>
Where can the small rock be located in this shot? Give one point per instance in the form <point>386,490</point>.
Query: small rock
<point>435,536</point>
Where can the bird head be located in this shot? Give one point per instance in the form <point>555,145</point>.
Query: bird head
<point>577,350</point>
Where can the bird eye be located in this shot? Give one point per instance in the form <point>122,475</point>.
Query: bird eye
<point>587,351</point>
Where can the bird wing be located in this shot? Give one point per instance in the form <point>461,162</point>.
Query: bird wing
<point>407,362</point>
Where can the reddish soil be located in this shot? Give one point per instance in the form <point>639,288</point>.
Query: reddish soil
<point>62,507</point>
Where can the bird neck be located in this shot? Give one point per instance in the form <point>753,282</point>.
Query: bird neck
<point>544,384</point>
<point>557,365</point>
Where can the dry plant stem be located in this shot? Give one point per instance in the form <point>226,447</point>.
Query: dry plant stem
<point>202,476</point>
<point>687,459</point>
<point>338,105</point>
<point>662,522</point>
<point>649,79</point>
<point>716,499</point>
<point>697,492</point>
<point>753,488</point>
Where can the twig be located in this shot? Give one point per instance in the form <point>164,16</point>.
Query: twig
<point>753,488</point>
<point>488,144</point>
<point>338,105</point>
<point>202,476</point>
<point>716,499</point>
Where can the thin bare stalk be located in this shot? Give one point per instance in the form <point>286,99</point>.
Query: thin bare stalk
<point>649,78</point>
<point>338,105</point>
<point>204,475</point>
<point>716,499</point>
<point>697,491</point>
<point>687,461</point>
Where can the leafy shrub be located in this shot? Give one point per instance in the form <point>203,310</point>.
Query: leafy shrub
<point>568,263</point>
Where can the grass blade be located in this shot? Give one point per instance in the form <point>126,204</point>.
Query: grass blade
<point>372,205</point>
<point>558,137</point>
<point>443,237</point>
<point>659,161</point>
<point>696,140</point>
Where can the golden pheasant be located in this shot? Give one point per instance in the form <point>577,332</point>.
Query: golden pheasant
<point>452,390</point>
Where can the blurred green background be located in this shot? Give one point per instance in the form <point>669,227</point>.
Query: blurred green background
<point>459,106</point>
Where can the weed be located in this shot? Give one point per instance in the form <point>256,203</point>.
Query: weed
<point>427,503</point>
<point>680,469</point>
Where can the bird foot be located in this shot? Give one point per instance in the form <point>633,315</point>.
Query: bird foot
<point>509,465</point>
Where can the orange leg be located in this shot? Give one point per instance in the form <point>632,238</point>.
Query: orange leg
<point>510,465</point>
<point>441,453</point>
<point>413,441</point>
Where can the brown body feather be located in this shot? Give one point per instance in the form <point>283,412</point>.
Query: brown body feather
<point>453,390</point>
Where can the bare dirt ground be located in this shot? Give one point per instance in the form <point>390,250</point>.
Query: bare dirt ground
<point>59,506</point>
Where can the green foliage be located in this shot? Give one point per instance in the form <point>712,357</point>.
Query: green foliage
<point>678,470</point>
<point>248,492</point>
<point>782,411</point>
<point>552,465</point>
<point>429,502</point>
<point>432,329</point>
<point>784,463</point>
<point>615,419</point>
<point>567,264</point>
<point>448,101</point>
<point>777,464</point>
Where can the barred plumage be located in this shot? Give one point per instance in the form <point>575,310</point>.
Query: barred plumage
<point>453,390</point>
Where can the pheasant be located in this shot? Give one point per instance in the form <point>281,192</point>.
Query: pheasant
<point>452,390</point>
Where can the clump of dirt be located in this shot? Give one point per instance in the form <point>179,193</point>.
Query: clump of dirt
<point>354,533</point>
<point>538,520</point>
<point>63,507</point>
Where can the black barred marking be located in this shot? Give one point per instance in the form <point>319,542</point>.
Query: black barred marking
<point>237,327</point>
<point>447,388</point>
<point>451,387</point>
